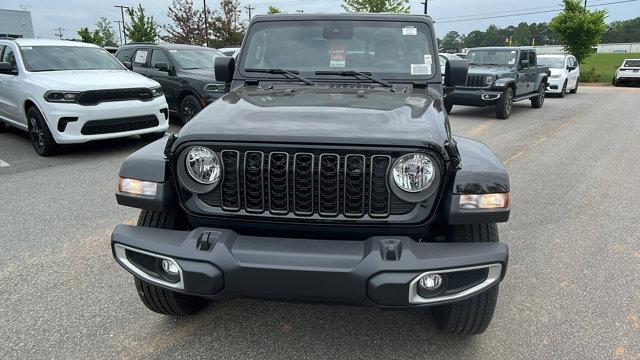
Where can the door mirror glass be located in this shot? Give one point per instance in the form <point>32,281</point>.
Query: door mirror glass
<point>161,66</point>
<point>128,65</point>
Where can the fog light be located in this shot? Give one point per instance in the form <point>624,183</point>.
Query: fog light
<point>431,282</point>
<point>170,267</point>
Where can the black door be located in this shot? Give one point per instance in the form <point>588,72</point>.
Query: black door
<point>163,71</point>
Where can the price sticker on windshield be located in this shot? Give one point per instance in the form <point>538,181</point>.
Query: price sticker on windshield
<point>338,57</point>
<point>409,31</point>
<point>420,69</point>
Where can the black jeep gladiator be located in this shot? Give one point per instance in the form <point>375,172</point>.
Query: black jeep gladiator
<point>328,173</point>
<point>501,76</point>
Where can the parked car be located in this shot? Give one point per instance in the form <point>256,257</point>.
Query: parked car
<point>461,55</point>
<point>444,57</point>
<point>628,73</point>
<point>231,51</point>
<point>184,71</point>
<point>500,76</point>
<point>66,92</point>
<point>565,73</point>
<point>331,175</point>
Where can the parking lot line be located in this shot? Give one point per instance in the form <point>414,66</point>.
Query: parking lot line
<point>3,163</point>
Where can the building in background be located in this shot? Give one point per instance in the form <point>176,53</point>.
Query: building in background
<point>16,24</point>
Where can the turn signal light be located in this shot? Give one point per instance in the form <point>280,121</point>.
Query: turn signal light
<point>485,201</point>
<point>137,187</point>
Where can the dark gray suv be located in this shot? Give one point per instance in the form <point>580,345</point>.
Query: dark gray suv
<point>186,73</point>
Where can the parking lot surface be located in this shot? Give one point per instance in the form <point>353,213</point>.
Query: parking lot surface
<point>572,290</point>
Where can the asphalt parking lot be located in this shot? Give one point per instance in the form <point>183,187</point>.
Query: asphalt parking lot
<point>572,290</point>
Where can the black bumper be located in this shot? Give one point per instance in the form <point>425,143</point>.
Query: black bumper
<point>474,97</point>
<point>379,271</point>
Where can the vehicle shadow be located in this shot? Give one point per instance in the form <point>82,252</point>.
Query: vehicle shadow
<point>487,112</point>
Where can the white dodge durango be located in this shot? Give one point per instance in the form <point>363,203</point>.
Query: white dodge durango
<point>65,92</point>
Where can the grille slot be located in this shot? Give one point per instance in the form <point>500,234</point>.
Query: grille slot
<point>476,81</point>
<point>110,126</point>
<point>93,97</point>
<point>306,184</point>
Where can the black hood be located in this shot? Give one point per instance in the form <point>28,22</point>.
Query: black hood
<point>322,114</point>
<point>491,70</point>
<point>206,75</point>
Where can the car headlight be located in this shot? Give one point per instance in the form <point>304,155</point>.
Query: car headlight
<point>156,91</point>
<point>62,96</point>
<point>488,80</point>
<point>414,172</point>
<point>215,87</point>
<point>556,76</point>
<point>203,165</point>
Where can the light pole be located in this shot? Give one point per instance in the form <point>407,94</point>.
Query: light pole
<point>124,32</point>
<point>119,30</point>
<point>206,24</point>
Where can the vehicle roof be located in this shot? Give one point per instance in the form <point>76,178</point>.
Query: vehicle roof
<point>503,48</point>
<point>166,46</point>
<point>554,55</point>
<point>344,16</point>
<point>45,42</point>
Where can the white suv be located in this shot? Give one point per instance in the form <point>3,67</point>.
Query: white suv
<point>65,92</point>
<point>565,73</point>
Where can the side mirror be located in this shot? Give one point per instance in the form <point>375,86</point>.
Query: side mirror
<point>571,68</point>
<point>224,68</point>
<point>161,66</point>
<point>524,63</point>
<point>455,73</point>
<point>128,65</point>
<point>6,68</point>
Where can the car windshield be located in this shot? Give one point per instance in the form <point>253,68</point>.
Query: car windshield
<point>551,62</point>
<point>632,63</point>
<point>492,57</point>
<point>195,58</point>
<point>384,48</point>
<point>59,58</point>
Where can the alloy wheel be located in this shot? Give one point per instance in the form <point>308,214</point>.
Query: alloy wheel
<point>36,134</point>
<point>189,110</point>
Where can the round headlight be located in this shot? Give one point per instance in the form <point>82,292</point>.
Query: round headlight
<point>488,80</point>
<point>414,172</point>
<point>203,165</point>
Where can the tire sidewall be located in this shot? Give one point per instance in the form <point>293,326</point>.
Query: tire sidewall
<point>188,114</point>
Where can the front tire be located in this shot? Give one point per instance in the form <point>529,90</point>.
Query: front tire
<point>158,299</point>
<point>538,101</point>
<point>471,316</point>
<point>575,89</point>
<point>504,104</point>
<point>43,142</point>
<point>563,93</point>
<point>189,107</point>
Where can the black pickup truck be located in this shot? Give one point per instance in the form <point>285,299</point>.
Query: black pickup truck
<point>501,76</point>
<point>328,173</point>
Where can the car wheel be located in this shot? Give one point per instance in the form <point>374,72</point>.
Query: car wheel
<point>189,107</point>
<point>152,136</point>
<point>563,93</point>
<point>39,134</point>
<point>504,104</point>
<point>538,101</point>
<point>471,316</point>
<point>575,89</point>
<point>156,298</point>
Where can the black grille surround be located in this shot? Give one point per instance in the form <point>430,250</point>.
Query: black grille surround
<point>302,183</point>
<point>118,125</point>
<point>94,97</point>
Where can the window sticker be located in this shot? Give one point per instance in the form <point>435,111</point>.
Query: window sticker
<point>338,57</point>
<point>428,60</point>
<point>512,61</point>
<point>173,51</point>
<point>420,69</point>
<point>141,57</point>
<point>409,31</point>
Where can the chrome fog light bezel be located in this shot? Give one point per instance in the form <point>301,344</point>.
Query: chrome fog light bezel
<point>120,252</point>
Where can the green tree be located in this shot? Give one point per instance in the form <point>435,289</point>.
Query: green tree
<point>85,35</point>
<point>188,24</point>
<point>141,28</point>
<point>274,10</point>
<point>579,29</point>
<point>227,30</point>
<point>452,41</point>
<point>622,31</point>
<point>377,6</point>
<point>104,35</point>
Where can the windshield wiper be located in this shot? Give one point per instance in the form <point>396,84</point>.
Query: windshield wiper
<point>356,74</point>
<point>292,73</point>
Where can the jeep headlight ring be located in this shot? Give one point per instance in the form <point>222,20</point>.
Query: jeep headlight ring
<point>414,172</point>
<point>203,165</point>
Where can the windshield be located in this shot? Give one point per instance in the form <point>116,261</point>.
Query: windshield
<point>195,58</point>
<point>551,62</point>
<point>632,63</point>
<point>492,57</point>
<point>386,49</point>
<point>59,58</point>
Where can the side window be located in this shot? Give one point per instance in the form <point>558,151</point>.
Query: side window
<point>524,55</point>
<point>124,55</point>
<point>158,56</point>
<point>532,59</point>
<point>10,57</point>
<point>141,58</point>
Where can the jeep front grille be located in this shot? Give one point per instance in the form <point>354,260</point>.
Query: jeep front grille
<point>305,184</point>
<point>476,81</point>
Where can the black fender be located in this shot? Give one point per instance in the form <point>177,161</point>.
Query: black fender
<point>149,164</point>
<point>542,78</point>
<point>479,172</point>
<point>505,82</point>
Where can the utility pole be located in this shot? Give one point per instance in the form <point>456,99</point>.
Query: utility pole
<point>124,31</point>
<point>426,6</point>
<point>249,8</point>
<point>119,29</point>
<point>59,34</point>
<point>206,23</point>
<point>585,4</point>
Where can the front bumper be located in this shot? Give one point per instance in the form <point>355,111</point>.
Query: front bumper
<point>72,133</point>
<point>555,85</point>
<point>381,271</point>
<point>474,97</point>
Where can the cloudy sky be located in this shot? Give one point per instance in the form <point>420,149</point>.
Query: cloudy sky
<point>461,15</point>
